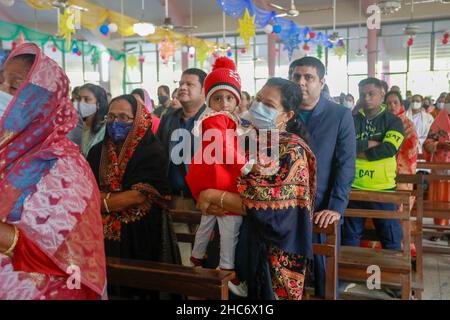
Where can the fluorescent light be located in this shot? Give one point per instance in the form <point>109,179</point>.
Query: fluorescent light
<point>143,28</point>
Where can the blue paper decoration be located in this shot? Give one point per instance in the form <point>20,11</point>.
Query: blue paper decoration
<point>277,28</point>
<point>284,28</point>
<point>104,29</point>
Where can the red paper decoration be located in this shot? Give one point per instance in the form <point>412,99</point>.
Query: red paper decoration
<point>410,42</point>
<point>142,59</point>
<point>79,53</point>
<point>445,41</point>
<point>111,58</point>
<point>243,50</point>
<point>53,49</point>
<point>306,47</point>
<point>312,35</point>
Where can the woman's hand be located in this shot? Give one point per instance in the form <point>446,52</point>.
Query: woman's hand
<point>215,210</point>
<point>443,146</point>
<point>204,201</point>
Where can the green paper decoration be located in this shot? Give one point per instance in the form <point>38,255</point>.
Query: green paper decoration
<point>10,31</point>
<point>319,51</point>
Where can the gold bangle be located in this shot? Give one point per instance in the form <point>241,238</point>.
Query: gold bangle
<point>108,196</point>
<point>221,199</point>
<point>106,205</point>
<point>14,243</point>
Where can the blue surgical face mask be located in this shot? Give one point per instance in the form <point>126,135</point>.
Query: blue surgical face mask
<point>440,105</point>
<point>118,131</point>
<point>348,104</point>
<point>262,116</point>
<point>5,100</point>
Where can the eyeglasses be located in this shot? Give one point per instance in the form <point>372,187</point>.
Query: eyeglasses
<point>121,117</point>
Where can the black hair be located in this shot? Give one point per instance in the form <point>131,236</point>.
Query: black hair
<point>393,93</point>
<point>385,86</point>
<point>28,58</point>
<point>102,103</point>
<point>308,62</point>
<point>197,72</point>
<point>166,89</point>
<point>349,95</point>
<point>139,92</point>
<point>376,82</point>
<point>291,99</point>
<point>247,95</point>
<point>173,92</point>
<point>130,99</point>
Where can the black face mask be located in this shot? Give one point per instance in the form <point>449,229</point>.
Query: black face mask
<point>162,99</point>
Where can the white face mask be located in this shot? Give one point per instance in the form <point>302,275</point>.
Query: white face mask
<point>5,100</point>
<point>87,109</point>
<point>348,104</point>
<point>447,107</point>
<point>416,105</point>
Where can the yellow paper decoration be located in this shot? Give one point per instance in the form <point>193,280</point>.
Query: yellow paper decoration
<point>202,55</point>
<point>167,50</point>
<point>132,61</point>
<point>247,28</point>
<point>67,26</point>
<point>339,52</point>
<point>96,15</point>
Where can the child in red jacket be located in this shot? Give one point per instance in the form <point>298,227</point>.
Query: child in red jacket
<point>219,168</point>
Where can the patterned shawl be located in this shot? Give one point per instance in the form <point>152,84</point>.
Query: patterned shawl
<point>113,168</point>
<point>439,131</point>
<point>48,190</point>
<point>408,154</point>
<point>294,185</point>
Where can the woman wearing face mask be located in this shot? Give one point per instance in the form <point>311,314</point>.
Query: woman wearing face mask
<point>93,107</point>
<point>130,166</point>
<point>50,228</point>
<point>408,153</point>
<point>437,149</point>
<point>163,101</point>
<point>277,199</point>
<point>421,119</point>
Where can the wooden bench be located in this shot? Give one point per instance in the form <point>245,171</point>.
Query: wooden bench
<point>416,228</point>
<point>170,278</point>
<point>395,266</point>
<point>328,249</point>
<point>435,209</point>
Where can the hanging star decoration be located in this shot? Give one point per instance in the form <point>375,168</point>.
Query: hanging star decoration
<point>291,43</point>
<point>247,28</point>
<point>67,26</point>
<point>167,50</point>
<point>202,55</point>
<point>132,61</point>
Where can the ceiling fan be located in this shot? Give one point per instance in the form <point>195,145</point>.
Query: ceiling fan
<point>292,11</point>
<point>61,4</point>
<point>168,25</point>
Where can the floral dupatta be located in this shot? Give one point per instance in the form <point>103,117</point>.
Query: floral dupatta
<point>48,189</point>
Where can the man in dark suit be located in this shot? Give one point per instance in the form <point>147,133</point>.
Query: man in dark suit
<point>333,141</point>
<point>180,143</point>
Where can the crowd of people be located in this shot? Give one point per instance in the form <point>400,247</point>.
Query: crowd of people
<point>90,177</point>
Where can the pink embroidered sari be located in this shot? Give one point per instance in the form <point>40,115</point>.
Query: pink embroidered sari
<point>439,131</point>
<point>48,190</point>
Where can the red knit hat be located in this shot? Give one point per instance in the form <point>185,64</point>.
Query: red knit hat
<point>223,77</point>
